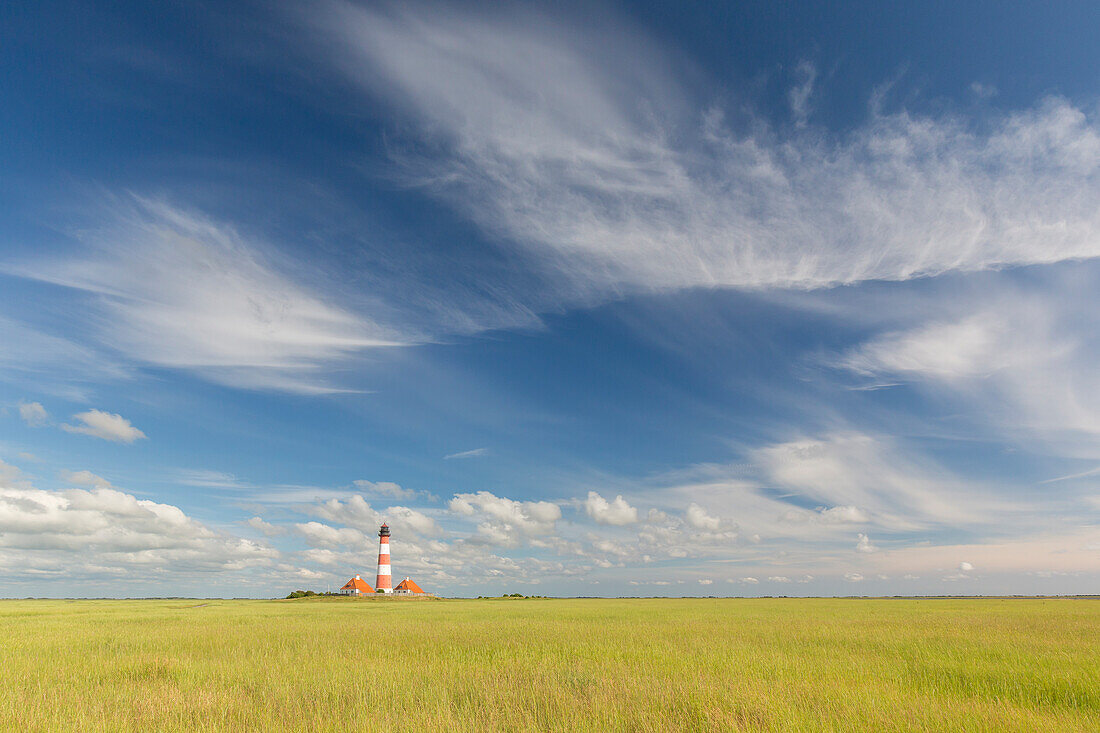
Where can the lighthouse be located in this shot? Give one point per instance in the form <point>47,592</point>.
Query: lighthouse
<point>382,582</point>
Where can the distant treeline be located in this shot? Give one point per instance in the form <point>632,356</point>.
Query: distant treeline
<point>308,594</point>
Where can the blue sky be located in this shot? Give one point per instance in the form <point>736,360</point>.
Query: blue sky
<point>638,299</point>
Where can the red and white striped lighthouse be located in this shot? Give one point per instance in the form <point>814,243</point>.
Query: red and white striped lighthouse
<point>382,583</point>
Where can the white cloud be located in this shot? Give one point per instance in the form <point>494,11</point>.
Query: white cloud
<point>175,289</point>
<point>779,579</point>
<point>901,491</point>
<point>105,425</point>
<point>11,476</point>
<point>697,517</point>
<point>85,478</point>
<point>828,515</point>
<point>589,154</point>
<point>950,351</point>
<point>108,531</point>
<point>353,510</point>
<point>843,515</point>
<point>323,557</point>
<point>404,518</point>
<point>384,488</point>
<point>506,520</point>
<point>467,454</point>
<point>705,581</point>
<point>211,479</point>
<point>53,364</point>
<point>799,96</point>
<point>983,91</point>
<point>329,536</point>
<point>307,574</point>
<point>618,550</point>
<point>34,414</point>
<point>750,580</point>
<point>965,567</point>
<point>1023,364</point>
<point>356,522</point>
<point>864,544</point>
<point>853,577</point>
<point>268,529</point>
<point>616,512</point>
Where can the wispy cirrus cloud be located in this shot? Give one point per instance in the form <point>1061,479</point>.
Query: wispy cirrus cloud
<point>173,288</point>
<point>614,173</point>
<point>55,364</point>
<point>85,478</point>
<point>474,453</point>
<point>870,472</point>
<point>1020,357</point>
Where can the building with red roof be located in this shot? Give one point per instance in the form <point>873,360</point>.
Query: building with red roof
<point>407,587</point>
<point>356,587</point>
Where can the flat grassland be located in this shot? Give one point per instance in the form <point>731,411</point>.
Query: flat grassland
<point>588,665</point>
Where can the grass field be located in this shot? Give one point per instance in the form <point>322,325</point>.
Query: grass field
<point>590,665</point>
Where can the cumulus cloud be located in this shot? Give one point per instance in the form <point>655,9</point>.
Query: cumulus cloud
<point>268,529</point>
<point>111,531</point>
<point>616,512</point>
<point>864,544</point>
<point>779,579</point>
<point>591,155</point>
<point>506,520</point>
<point>404,518</point>
<point>965,567</point>
<point>353,510</point>
<point>697,517</point>
<point>104,425</point>
<point>34,414</point>
<point>853,577</point>
<point>705,581</point>
<point>328,536</point>
<point>750,580</point>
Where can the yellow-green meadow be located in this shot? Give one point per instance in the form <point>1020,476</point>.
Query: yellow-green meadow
<point>588,665</point>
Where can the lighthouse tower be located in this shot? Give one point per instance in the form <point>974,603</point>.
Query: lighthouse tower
<point>382,583</point>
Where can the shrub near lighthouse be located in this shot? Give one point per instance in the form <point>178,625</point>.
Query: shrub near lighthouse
<point>383,583</point>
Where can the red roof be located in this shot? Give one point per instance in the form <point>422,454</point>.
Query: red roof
<point>409,585</point>
<point>358,584</point>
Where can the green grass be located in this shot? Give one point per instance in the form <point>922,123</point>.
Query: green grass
<point>588,665</point>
